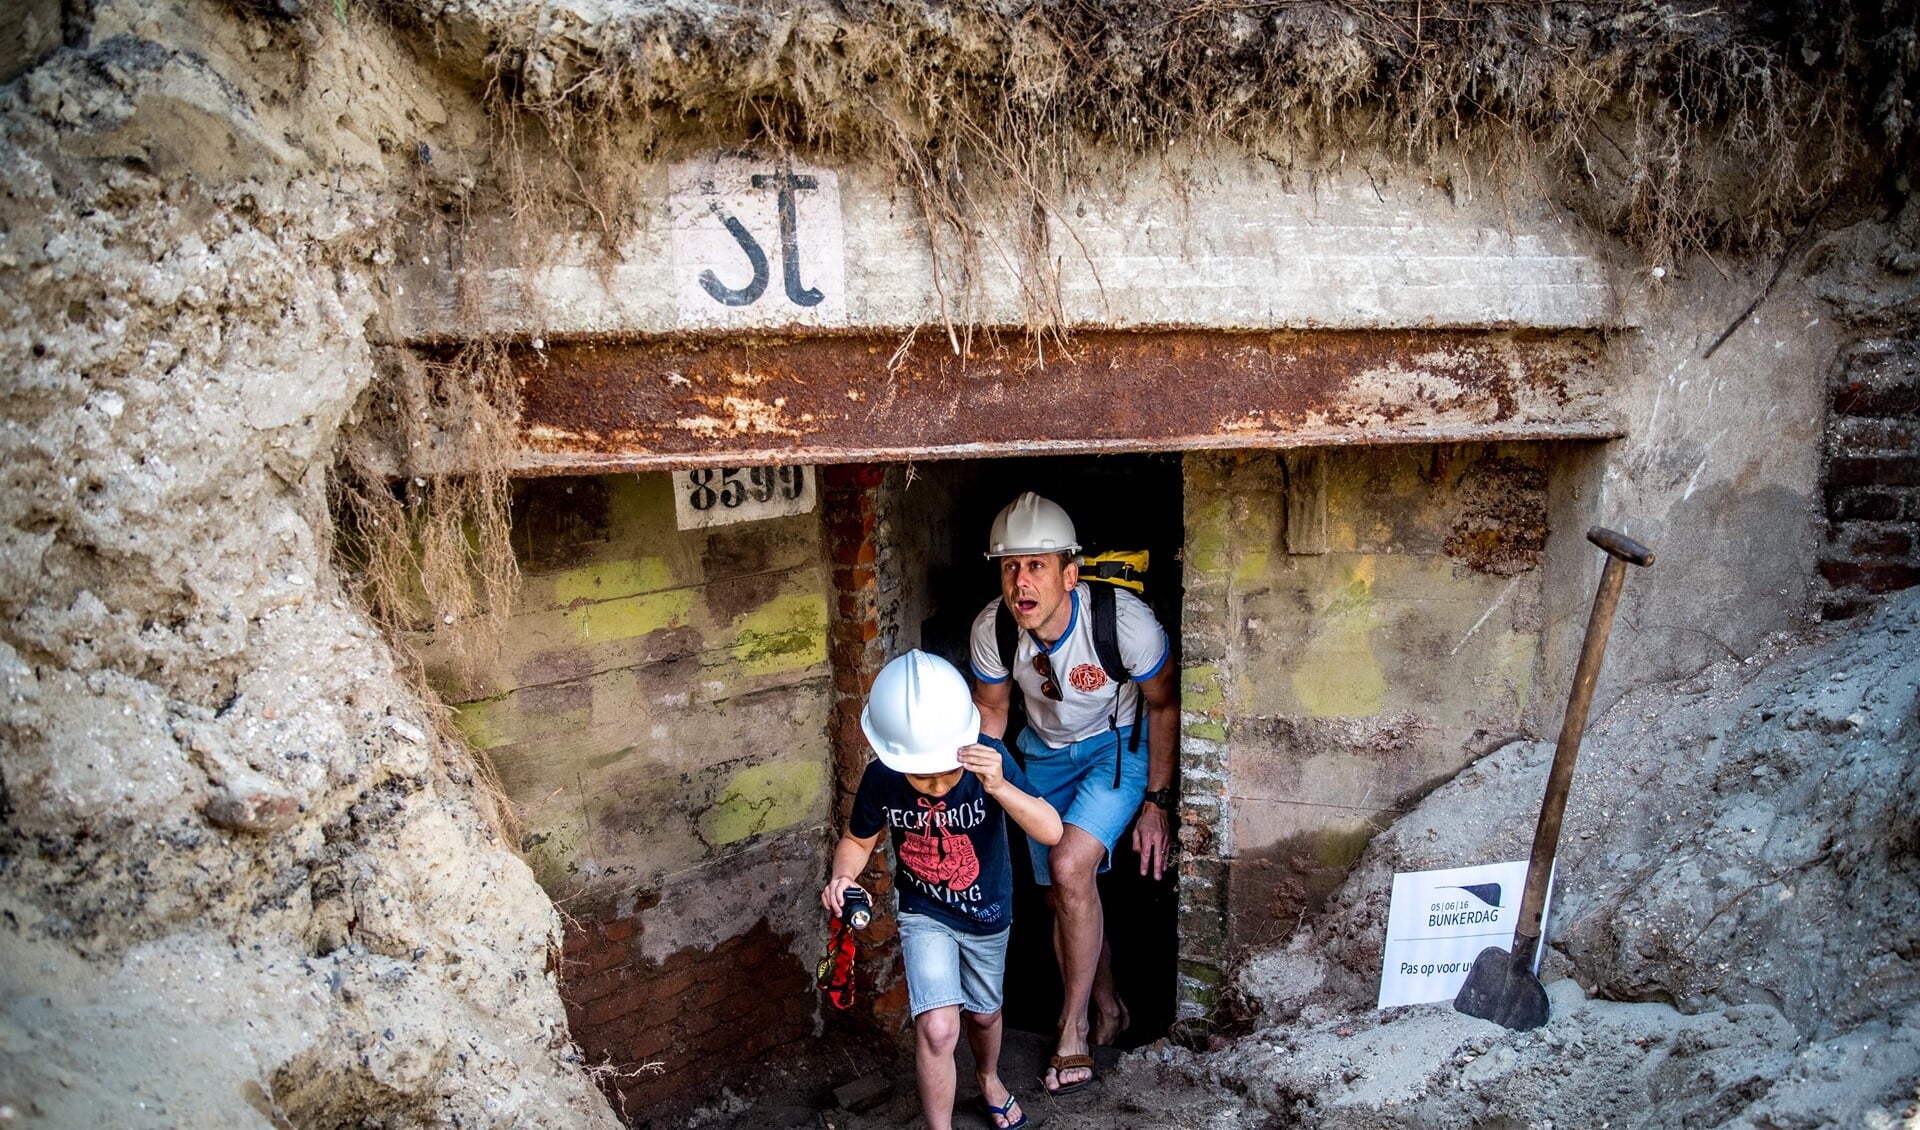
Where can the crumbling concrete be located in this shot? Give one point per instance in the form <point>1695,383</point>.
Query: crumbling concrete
<point>232,839</point>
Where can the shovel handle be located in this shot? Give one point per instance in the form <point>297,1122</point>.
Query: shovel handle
<point>1621,546</point>
<point>1621,549</point>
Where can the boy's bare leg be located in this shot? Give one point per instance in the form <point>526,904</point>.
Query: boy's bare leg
<point>983,1037</point>
<point>935,1034</point>
<point>1078,935</point>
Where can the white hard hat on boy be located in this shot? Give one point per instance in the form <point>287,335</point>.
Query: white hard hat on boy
<point>1031,524</point>
<point>919,714</point>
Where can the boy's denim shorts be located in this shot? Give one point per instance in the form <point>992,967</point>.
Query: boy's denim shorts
<point>946,966</point>
<point>1077,780</point>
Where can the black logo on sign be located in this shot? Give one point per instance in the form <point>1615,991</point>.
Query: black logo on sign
<point>800,294</point>
<point>1488,893</point>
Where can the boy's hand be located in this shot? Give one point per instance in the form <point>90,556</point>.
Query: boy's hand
<point>983,762</point>
<point>834,895</point>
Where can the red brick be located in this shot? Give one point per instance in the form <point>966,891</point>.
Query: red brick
<point>1840,574</point>
<point>618,930</point>
<point>584,990</point>
<point>612,1007</point>
<point>1843,609</point>
<point>1883,543</point>
<point>650,1091</point>
<point>670,983</point>
<point>853,577</point>
<point>709,993</point>
<point>648,1043</point>
<point>1863,398</point>
<point>854,631</point>
<point>602,957</point>
<point>852,683</point>
<point>852,524</point>
<point>1874,470</point>
<point>845,653</point>
<point>1886,576</point>
<point>1874,506</point>
<point>852,477</point>
<point>854,553</point>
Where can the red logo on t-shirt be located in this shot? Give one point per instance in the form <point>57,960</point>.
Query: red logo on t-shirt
<point>941,857</point>
<point>1088,677</point>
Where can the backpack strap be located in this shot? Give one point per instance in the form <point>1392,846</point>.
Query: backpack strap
<point>1106,633</point>
<point>1106,645</point>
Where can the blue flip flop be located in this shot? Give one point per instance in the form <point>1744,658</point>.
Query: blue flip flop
<point>1003,1111</point>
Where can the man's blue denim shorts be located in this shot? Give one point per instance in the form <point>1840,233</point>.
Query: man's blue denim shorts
<point>1077,780</point>
<point>948,966</point>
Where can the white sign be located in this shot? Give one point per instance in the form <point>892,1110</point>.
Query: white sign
<point>721,496</point>
<point>756,242</point>
<point>1439,921</point>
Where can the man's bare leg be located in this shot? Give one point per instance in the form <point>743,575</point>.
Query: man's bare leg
<point>1078,935</point>
<point>935,1034</point>
<point>1110,1016</point>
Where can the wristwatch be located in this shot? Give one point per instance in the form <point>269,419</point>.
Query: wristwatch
<point>1161,797</point>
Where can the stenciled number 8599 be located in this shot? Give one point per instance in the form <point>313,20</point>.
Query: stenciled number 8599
<point>759,484</point>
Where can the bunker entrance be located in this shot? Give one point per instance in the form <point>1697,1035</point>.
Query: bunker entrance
<point>1118,502</point>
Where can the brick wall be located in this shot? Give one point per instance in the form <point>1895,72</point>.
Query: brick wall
<point>673,1030</point>
<point>857,649</point>
<point>1205,828</point>
<point>1873,478</point>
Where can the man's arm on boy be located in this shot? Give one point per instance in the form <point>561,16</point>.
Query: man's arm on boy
<point>1036,817</point>
<point>849,859</point>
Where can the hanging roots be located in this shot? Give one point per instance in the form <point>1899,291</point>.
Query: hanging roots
<point>421,493</point>
<point>1678,126</point>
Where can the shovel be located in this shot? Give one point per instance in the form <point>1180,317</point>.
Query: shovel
<point>1502,987</point>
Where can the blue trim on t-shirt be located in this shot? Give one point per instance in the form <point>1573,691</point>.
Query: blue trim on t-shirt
<point>985,679</point>
<point>1073,617</point>
<point>1156,667</point>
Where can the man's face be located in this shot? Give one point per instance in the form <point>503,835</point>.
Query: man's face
<point>1036,590</point>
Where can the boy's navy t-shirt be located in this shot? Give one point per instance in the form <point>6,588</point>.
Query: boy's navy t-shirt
<point>950,852</point>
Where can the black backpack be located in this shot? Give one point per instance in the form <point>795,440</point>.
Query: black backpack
<point>1120,568</point>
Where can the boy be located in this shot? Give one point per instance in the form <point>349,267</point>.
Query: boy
<point>944,793</point>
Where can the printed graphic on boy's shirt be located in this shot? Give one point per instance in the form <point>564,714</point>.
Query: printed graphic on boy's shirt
<point>940,857</point>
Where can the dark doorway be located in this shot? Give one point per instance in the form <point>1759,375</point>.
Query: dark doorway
<point>1117,502</point>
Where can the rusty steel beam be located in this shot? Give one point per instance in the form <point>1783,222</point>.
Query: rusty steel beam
<point>604,406</point>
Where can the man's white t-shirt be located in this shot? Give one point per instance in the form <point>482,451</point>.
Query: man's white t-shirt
<point>1087,702</point>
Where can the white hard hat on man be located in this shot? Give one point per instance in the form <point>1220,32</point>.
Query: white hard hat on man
<point>1029,525</point>
<point>918,715</point>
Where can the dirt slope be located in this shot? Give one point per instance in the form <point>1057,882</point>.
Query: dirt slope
<point>1736,939</point>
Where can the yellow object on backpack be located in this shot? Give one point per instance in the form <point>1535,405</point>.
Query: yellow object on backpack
<point>1126,568</point>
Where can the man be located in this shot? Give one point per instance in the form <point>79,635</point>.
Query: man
<point>1080,722</point>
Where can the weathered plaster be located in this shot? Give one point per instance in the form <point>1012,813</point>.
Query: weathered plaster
<point>1352,680</point>
<point>1216,240</point>
<point>660,700</point>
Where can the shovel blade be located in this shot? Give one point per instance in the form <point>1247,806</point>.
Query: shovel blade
<point>1503,990</point>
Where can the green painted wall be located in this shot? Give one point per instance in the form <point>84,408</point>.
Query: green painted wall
<point>660,703</point>
<point>1328,690</point>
